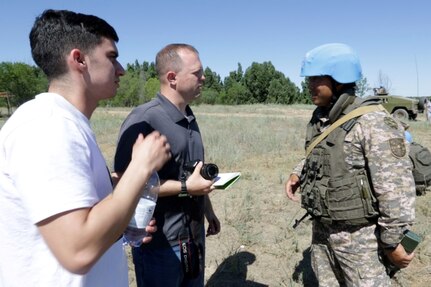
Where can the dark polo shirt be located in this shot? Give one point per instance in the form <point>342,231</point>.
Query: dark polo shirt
<point>186,144</point>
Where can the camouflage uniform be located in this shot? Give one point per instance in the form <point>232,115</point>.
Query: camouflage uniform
<point>348,255</point>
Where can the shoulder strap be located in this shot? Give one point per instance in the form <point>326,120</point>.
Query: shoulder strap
<point>353,114</point>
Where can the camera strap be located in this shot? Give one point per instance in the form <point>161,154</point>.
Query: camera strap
<point>186,231</point>
<point>190,251</point>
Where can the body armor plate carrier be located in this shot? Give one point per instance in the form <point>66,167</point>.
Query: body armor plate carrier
<point>329,191</point>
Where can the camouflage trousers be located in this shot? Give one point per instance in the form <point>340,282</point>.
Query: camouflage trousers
<point>347,256</point>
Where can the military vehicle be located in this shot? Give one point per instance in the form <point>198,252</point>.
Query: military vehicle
<point>402,108</point>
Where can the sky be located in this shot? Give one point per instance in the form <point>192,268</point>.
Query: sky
<point>391,37</point>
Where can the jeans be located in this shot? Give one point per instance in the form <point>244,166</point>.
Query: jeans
<point>161,267</point>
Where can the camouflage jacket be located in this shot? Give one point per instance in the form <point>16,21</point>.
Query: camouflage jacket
<point>376,142</point>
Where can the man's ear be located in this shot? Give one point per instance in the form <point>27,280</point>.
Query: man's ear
<point>171,77</point>
<point>338,87</point>
<point>76,58</point>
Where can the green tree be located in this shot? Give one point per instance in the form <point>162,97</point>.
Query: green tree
<point>282,91</point>
<point>234,89</point>
<point>234,77</point>
<point>149,70</point>
<point>257,80</point>
<point>151,88</point>
<point>236,94</point>
<point>130,90</point>
<point>133,68</point>
<point>21,80</point>
<point>212,81</point>
<point>261,83</point>
<point>362,87</point>
<point>208,96</point>
<point>304,95</point>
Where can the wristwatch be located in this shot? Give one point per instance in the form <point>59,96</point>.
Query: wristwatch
<point>184,191</point>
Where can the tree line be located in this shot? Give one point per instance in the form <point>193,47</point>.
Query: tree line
<point>259,83</point>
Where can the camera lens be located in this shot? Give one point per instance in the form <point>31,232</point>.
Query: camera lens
<point>209,171</point>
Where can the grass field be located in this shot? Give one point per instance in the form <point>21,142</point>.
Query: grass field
<point>257,245</point>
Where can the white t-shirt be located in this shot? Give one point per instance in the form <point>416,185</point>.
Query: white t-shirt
<point>49,163</point>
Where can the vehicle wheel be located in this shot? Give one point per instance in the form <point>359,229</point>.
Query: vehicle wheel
<point>401,114</point>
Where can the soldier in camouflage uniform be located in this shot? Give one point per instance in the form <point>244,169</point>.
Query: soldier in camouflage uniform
<point>357,182</point>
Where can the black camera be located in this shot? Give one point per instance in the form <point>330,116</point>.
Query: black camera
<point>208,171</point>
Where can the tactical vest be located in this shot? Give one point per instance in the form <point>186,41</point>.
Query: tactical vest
<point>329,192</point>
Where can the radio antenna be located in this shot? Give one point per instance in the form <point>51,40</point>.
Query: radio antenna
<point>417,78</point>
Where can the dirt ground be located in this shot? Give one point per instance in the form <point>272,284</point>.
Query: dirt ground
<point>257,245</point>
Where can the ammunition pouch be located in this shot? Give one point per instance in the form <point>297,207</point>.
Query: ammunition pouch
<point>347,200</point>
<point>312,202</point>
<point>350,200</point>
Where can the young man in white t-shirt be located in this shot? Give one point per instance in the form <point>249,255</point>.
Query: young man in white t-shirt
<point>59,215</point>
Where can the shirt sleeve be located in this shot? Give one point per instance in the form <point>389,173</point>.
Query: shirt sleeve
<point>298,168</point>
<point>51,167</point>
<point>128,135</point>
<point>381,140</point>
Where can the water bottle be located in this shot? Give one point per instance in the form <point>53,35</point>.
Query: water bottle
<point>135,231</point>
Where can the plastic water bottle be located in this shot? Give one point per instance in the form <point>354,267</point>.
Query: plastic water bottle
<point>135,231</point>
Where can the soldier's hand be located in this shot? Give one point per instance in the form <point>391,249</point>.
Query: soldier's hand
<point>291,186</point>
<point>399,257</point>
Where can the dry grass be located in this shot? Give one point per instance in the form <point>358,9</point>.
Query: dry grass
<point>257,245</point>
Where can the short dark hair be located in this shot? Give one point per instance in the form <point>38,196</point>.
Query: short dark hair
<point>168,58</point>
<point>56,32</point>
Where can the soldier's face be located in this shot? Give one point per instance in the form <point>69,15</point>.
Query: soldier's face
<point>321,90</point>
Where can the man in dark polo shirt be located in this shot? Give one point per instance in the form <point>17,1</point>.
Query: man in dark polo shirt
<point>182,202</point>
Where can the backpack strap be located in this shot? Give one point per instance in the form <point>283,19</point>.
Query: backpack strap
<point>353,114</point>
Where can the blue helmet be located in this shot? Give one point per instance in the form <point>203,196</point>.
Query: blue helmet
<point>336,60</point>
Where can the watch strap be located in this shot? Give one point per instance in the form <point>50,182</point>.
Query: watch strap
<point>184,191</point>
